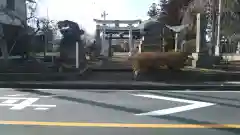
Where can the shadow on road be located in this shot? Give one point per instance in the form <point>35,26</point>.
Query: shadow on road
<point>212,97</point>
<point>128,110</point>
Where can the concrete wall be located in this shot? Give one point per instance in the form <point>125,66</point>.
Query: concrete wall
<point>231,57</point>
<point>20,11</point>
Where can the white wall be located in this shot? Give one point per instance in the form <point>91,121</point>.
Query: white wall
<point>115,41</point>
<point>20,11</point>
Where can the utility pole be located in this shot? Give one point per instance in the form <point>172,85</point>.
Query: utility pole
<point>104,15</point>
<point>46,32</point>
<point>217,47</point>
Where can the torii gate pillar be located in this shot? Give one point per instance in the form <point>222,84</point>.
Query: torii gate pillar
<point>105,46</point>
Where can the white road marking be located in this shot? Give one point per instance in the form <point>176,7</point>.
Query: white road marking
<point>193,105</point>
<point>10,101</point>
<point>41,109</point>
<point>37,105</point>
<point>7,89</point>
<point>50,89</point>
<point>26,102</point>
<point>17,95</point>
<point>167,98</point>
<point>33,105</point>
<point>18,98</point>
<point>46,96</point>
<point>232,82</point>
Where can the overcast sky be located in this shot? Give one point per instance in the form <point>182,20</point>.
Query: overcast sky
<point>84,11</point>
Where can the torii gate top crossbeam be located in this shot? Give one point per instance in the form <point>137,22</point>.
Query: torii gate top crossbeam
<point>118,28</point>
<point>117,21</point>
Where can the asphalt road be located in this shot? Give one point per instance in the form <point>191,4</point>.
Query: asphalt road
<point>75,112</point>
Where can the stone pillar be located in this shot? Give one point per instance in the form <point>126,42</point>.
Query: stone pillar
<point>102,42</point>
<point>201,56</point>
<point>98,41</point>
<point>176,42</point>
<point>130,41</point>
<point>201,24</point>
<point>238,48</point>
<point>105,46</point>
<point>198,33</point>
<point>141,44</point>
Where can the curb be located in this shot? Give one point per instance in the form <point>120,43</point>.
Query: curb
<point>44,76</point>
<point>187,75</point>
<point>117,86</point>
<point>110,70</point>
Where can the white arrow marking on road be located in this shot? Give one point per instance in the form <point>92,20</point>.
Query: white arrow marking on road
<point>193,105</point>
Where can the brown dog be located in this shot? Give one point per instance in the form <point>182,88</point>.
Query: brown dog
<point>147,61</point>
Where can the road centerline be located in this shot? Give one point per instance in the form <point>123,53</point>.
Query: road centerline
<point>118,125</point>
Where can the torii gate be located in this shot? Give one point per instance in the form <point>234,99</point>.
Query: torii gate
<point>104,29</point>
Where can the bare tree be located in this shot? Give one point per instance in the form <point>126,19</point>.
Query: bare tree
<point>32,8</point>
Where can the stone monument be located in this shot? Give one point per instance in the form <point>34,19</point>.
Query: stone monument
<point>72,51</point>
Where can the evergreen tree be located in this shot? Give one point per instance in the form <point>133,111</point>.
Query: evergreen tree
<point>163,10</point>
<point>153,11</point>
<point>163,5</point>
